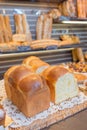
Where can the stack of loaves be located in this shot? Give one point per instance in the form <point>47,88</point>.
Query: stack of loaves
<point>32,92</point>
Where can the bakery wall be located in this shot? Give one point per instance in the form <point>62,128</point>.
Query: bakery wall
<point>33,11</point>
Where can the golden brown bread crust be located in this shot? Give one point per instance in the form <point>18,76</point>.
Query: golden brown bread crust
<point>27,60</point>
<point>31,80</point>
<point>37,63</point>
<point>19,38</point>
<point>81,9</point>
<point>14,77</point>
<point>39,27</point>
<point>8,26</point>
<point>5,32</point>
<point>26,28</point>
<point>55,13</point>
<point>42,44</point>
<point>34,62</point>
<point>28,91</point>
<point>80,77</point>
<point>18,23</point>
<point>19,73</point>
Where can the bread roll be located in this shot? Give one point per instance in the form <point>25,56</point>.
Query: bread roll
<point>37,65</point>
<point>62,84</point>
<point>27,90</point>
<point>19,38</point>
<point>55,13</point>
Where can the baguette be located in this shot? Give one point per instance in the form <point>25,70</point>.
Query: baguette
<point>39,27</point>
<point>65,10</point>
<point>5,32</point>
<point>79,8</point>
<point>49,27</point>
<point>26,28</point>
<point>45,27</point>
<point>43,46</point>
<point>18,23</point>
<point>8,27</point>
<point>44,41</point>
<point>74,55</point>
<point>80,55</point>
<point>86,7</point>
<point>1,36</point>
<point>83,9</point>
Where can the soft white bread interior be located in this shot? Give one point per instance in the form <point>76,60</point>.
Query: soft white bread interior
<point>62,84</point>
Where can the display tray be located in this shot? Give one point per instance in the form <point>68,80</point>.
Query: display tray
<point>54,114</point>
<point>52,118</point>
<point>72,20</point>
<point>28,49</point>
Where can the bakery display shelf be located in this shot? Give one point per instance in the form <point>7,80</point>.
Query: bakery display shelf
<point>77,45</point>
<point>50,48</point>
<point>70,20</point>
<point>20,53</point>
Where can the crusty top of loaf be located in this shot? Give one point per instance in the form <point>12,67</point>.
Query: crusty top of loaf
<point>19,73</point>
<point>23,79</point>
<point>31,83</point>
<point>37,63</point>
<point>54,72</point>
<point>27,60</point>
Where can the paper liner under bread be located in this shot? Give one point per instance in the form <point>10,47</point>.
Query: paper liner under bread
<point>54,114</point>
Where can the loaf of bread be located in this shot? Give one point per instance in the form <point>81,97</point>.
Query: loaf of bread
<point>19,38</point>
<point>62,84</point>
<point>2,116</point>
<point>36,63</point>
<point>44,43</point>
<point>27,90</point>
<point>55,13</point>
